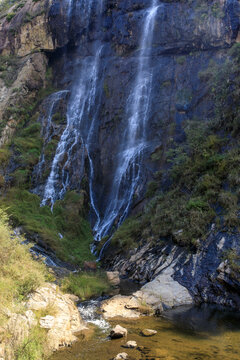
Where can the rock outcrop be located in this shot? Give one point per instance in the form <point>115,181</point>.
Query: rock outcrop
<point>118,332</point>
<point>175,276</point>
<point>65,321</point>
<point>123,306</point>
<point>29,78</point>
<point>60,317</point>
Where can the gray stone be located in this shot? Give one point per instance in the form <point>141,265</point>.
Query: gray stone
<point>121,356</point>
<point>130,345</point>
<point>118,332</point>
<point>149,332</point>
<point>113,277</point>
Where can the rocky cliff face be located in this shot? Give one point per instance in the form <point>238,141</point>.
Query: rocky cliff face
<point>187,37</point>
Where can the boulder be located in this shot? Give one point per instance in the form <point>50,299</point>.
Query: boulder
<point>130,345</point>
<point>113,277</point>
<point>47,322</point>
<point>149,332</point>
<point>121,356</point>
<point>118,332</point>
<point>63,320</point>
<point>164,291</point>
<point>125,306</point>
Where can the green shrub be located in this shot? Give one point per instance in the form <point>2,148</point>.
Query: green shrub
<point>127,234</point>
<point>151,188</point>
<point>234,262</point>
<point>86,285</point>
<point>10,16</point>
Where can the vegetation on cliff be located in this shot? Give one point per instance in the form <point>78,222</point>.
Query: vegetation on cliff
<point>19,276</point>
<point>65,229</point>
<point>203,185</point>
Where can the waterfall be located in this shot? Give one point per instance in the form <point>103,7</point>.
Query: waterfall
<point>80,120</point>
<point>46,121</point>
<point>79,138</point>
<point>128,171</point>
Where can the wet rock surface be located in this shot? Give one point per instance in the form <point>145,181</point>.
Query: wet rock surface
<point>200,276</point>
<point>181,32</point>
<point>149,332</point>
<point>121,356</point>
<point>125,306</point>
<point>118,332</point>
<point>130,344</point>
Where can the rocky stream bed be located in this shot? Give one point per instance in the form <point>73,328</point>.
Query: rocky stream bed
<point>197,333</point>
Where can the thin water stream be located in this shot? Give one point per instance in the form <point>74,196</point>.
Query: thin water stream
<point>79,137</point>
<point>193,333</point>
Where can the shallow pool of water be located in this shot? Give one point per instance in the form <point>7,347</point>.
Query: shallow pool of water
<point>197,333</point>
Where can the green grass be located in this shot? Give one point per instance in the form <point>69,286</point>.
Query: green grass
<point>128,234</point>
<point>9,64</point>
<point>86,285</point>
<point>33,347</point>
<point>16,281</point>
<point>67,218</point>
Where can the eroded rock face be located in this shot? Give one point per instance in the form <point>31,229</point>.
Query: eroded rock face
<point>164,292</point>
<point>186,37</point>
<point>113,277</point>
<point>29,79</point>
<point>62,321</point>
<point>65,321</point>
<point>174,275</point>
<point>28,31</point>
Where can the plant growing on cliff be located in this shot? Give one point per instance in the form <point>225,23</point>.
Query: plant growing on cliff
<point>67,218</point>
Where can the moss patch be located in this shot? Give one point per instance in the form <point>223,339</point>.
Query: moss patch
<point>67,219</point>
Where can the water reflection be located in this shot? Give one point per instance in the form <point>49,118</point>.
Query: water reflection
<point>188,333</point>
<point>204,318</point>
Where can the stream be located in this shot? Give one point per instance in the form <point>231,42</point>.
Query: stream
<point>204,332</point>
<point>198,332</point>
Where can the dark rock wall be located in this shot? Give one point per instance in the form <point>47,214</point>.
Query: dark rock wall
<point>187,35</point>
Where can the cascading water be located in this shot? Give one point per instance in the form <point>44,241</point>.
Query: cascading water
<point>80,136</point>
<point>46,121</point>
<point>89,311</point>
<point>80,120</point>
<point>134,142</point>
